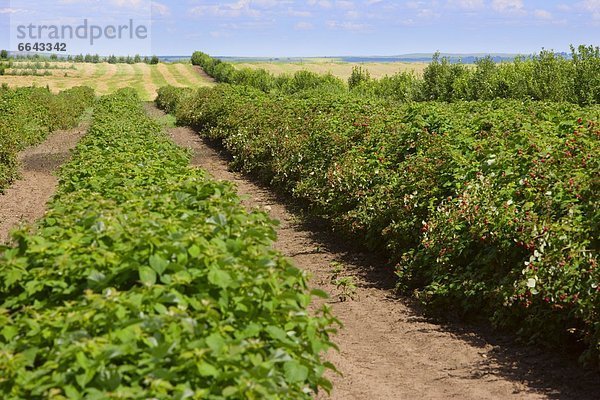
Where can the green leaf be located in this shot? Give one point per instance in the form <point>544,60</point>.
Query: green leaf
<point>215,342</point>
<point>72,393</point>
<point>82,360</point>
<point>194,251</point>
<point>158,263</point>
<point>229,391</point>
<point>276,332</point>
<point>85,378</point>
<point>10,332</point>
<point>147,276</point>
<point>295,372</point>
<point>96,277</point>
<point>219,278</point>
<point>319,293</point>
<point>206,369</point>
<point>30,355</point>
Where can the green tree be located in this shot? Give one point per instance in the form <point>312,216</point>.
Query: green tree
<point>358,77</point>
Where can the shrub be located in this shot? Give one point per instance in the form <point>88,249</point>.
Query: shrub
<point>148,279</point>
<point>29,114</point>
<point>488,208</point>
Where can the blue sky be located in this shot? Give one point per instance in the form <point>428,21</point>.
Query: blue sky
<point>330,27</point>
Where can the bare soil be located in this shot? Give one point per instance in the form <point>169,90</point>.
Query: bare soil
<point>388,349</point>
<point>25,201</point>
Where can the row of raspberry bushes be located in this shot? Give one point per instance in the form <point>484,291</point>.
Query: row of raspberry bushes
<point>27,115</point>
<point>486,208</point>
<point>148,279</point>
<point>262,79</point>
<point>545,76</point>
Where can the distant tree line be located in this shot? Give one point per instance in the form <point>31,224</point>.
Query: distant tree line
<point>3,57</point>
<point>547,76</point>
<point>87,58</point>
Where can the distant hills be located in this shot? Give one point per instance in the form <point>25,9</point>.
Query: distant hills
<point>467,58</point>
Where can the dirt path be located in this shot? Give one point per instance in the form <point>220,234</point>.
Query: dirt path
<point>25,201</point>
<point>388,350</point>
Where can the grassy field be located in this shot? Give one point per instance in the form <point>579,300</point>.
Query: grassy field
<point>106,78</point>
<point>340,69</point>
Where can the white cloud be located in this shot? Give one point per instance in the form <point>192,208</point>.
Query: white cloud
<point>543,14</point>
<point>344,4</point>
<point>160,9</point>
<point>220,34</point>
<point>270,3</point>
<point>509,6</point>
<point>9,10</point>
<point>299,13</point>
<point>129,3</point>
<point>77,1</point>
<point>563,7</point>
<point>347,26</point>
<point>591,5</point>
<point>245,8</point>
<point>415,5</point>
<point>467,4</point>
<point>320,3</point>
<point>236,9</point>
<point>116,3</point>
<point>303,26</point>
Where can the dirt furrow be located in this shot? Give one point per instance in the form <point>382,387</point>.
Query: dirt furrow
<point>388,350</point>
<point>25,201</point>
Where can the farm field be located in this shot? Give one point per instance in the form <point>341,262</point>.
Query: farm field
<point>379,331</point>
<point>301,235</point>
<point>179,267</point>
<point>106,78</point>
<point>300,200</point>
<point>342,70</point>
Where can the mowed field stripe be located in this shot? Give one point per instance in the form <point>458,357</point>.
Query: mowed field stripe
<point>147,85</point>
<point>168,76</point>
<point>125,77</point>
<point>190,73</point>
<point>179,74</point>
<point>103,81</point>
<point>157,77</point>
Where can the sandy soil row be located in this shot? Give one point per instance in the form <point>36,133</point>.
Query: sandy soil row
<point>25,201</point>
